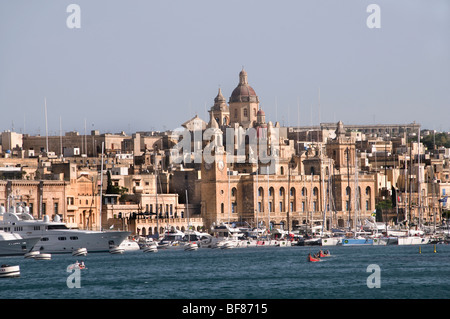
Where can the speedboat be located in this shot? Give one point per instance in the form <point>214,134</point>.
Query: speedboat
<point>7,271</point>
<point>55,236</point>
<point>79,252</point>
<point>150,248</point>
<point>12,244</point>
<point>191,246</point>
<point>116,250</point>
<point>129,245</point>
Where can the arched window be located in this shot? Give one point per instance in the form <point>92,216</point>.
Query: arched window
<point>304,191</point>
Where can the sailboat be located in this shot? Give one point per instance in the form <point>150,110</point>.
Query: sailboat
<point>416,236</point>
<point>190,245</point>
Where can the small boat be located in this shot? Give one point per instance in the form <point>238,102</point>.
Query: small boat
<point>79,252</point>
<point>322,254</point>
<point>150,249</point>
<point>312,259</point>
<point>7,271</point>
<point>116,250</point>
<point>43,257</point>
<point>229,244</point>
<point>191,246</point>
<point>31,254</point>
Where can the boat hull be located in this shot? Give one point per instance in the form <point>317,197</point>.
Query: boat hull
<point>17,247</point>
<point>357,241</point>
<point>330,241</point>
<point>9,271</point>
<point>61,242</point>
<point>412,240</point>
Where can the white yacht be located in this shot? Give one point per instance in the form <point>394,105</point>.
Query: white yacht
<point>55,236</point>
<point>12,244</point>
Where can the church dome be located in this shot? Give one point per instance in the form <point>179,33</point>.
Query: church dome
<point>243,92</point>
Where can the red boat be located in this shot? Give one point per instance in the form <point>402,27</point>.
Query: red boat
<point>312,259</point>
<point>322,254</point>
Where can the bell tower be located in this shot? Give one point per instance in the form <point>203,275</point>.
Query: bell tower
<point>219,111</point>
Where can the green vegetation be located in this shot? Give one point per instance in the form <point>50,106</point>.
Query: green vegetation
<point>438,139</point>
<point>111,189</point>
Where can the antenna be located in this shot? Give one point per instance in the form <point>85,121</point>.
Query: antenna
<point>60,137</point>
<point>46,125</point>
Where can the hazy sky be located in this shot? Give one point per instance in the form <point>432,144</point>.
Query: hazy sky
<point>144,65</point>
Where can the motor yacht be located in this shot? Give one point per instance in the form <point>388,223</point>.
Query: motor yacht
<point>55,236</point>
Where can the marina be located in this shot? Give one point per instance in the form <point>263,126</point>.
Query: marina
<point>250,273</point>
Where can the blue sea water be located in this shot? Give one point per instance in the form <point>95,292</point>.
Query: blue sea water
<point>241,273</point>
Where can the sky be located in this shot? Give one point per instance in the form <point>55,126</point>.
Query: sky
<point>144,65</point>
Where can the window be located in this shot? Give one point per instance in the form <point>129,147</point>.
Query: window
<point>281,207</point>
<point>44,239</point>
<point>55,208</point>
<point>233,207</point>
<point>245,112</point>
<point>222,208</point>
<point>73,238</point>
<point>62,238</point>
<point>270,207</point>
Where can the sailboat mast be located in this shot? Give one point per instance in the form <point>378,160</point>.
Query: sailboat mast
<point>101,183</point>
<point>46,126</point>
<point>419,192</point>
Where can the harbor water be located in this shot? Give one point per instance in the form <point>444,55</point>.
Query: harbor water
<point>405,272</point>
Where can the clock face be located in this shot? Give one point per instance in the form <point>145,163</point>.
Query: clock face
<point>221,165</point>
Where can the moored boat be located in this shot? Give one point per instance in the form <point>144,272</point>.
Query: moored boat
<point>43,256</point>
<point>116,250</point>
<point>7,271</point>
<point>191,246</point>
<point>80,252</point>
